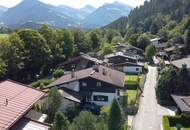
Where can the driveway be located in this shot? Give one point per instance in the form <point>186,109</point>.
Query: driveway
<point>149,116</point>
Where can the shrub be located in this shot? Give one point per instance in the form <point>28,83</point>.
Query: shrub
<point>85,121</point>
<point>166,124</point>
<point>115,120</point>
<point>58,73</point>
<point>172,121</point>
<point>41,82</point>
<point>125,100</point>
<point>60,122</point>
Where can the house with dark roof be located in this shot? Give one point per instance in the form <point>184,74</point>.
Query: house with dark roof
<point>16,103</point>
<point>124,63</point>
<point>98,84</point>
<point>179,63</point>
<point>183,103</point>
<point>135,52</point>
<point>80,62</point>
<point>158,42</point>
<point>130,50</point>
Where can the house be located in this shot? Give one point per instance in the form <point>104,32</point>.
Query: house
<point>130,50</point>
<point>120,47</point>
<point>173,48</point>
<point>183,103</point>
<point>155,41</point>
<point>97,84</point>
<point>129,67</point>
<point>179,63</point>
<point>124,63</point>
<point>119,57</point>
<point>16,103</point>
<point>81,62</point>
<point>134,51</point>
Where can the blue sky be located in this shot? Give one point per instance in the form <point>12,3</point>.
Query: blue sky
<point>75,3</point>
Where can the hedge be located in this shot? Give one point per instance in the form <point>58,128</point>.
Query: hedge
<point>40,82</point>
<point>183,120</point>
<point>166,123</point>
<point>172,121</point>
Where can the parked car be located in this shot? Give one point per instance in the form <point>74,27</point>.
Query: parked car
<point>92,107</point>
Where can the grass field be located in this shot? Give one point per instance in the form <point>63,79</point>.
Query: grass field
<point>4,35</point>
<point>131,79</point>
<point>132,94</point>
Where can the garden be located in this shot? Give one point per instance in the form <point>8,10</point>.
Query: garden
<point>174,122</point>
<point>134,85</point>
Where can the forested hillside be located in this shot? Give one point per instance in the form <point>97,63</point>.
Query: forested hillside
<point>119,24</point>
<point>150,15</point>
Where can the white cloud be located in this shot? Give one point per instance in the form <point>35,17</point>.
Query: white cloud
<point>75,3</point>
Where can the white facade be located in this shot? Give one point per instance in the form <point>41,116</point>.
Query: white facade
<point>132,69</point>
<point>110,97</point>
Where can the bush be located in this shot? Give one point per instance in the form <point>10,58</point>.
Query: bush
<point>166,124</point>
<point>72,112</point>
<point>85,121</point>
<point>125,100</point>
<point>132,87</point>
<point>41,83</point>
<point>183,120</point>
<point>58,73</point>
<point>172,121</point>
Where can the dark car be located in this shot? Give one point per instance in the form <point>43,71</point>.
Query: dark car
<point>92,107</point>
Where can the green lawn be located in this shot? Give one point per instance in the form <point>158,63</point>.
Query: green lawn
<point>131,79</point>
<point>172,128</point>
<point>131,96</point>
<point>4,35</point>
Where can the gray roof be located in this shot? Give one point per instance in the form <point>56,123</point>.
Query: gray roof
<point>180,62</point>
<point>119,54</point>
<point>129,46</point>
<point>183,102</point>
<point>84,56</point>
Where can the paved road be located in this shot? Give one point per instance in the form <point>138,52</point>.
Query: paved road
<point>150,113</point>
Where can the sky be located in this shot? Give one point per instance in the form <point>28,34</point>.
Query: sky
<point>76,3</point>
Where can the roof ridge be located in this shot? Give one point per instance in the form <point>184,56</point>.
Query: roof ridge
<point>16,82</point>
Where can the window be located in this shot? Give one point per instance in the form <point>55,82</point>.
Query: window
<point>84,84</point>
<point>98,84</point>
<point>137,69</point>
<point>100,98</point>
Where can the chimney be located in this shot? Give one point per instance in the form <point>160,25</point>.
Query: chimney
<point>96,67</point>
<point>104,71</point>
<point>6,102</point>
<point>73,73</point>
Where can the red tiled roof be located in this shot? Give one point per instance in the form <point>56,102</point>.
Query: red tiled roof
<point>112,76</point>
<point>20,99</point>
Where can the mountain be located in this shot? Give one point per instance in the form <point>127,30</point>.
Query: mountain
<point>3,10</point>
<point>77,14</point>
<point>119,24</point>
<point>37,12</point>
<point>88,9</point>
<point>107,14</point>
